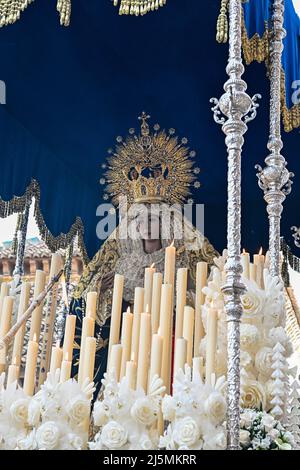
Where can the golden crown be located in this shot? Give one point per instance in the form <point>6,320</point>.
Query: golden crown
<point>150,167</point>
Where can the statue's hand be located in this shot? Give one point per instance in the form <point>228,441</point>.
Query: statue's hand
<point>107,281</point>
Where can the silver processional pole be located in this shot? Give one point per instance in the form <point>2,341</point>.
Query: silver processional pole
<point>238,108</point>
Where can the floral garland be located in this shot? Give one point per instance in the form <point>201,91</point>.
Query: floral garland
<point>56,418</point>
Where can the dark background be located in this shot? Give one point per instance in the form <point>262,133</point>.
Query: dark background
<point>71,91</point>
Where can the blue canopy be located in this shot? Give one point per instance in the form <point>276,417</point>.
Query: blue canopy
<point>71,91</point>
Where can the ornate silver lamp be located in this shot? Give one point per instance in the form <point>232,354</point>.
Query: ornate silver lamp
<point>238,108</point>
<point>275,179</point>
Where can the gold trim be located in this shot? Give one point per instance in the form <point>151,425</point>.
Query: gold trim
<point>257,49</point>
<point>17,205</point>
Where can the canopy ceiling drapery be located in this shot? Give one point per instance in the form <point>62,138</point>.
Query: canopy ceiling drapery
<point>70,91</point>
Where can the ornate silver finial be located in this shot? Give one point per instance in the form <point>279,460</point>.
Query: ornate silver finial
<point>296,235</point>
<point>275,179</point>
<point>237,108</point>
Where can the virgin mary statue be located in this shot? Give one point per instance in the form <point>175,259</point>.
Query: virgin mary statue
<point>148,177</point>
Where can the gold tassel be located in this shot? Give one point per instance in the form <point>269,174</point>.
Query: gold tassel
<point>222,23</point>
<point>138,7</point>
<point>64,7</point>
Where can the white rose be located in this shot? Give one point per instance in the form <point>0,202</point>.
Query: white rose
<point>78,409</point>
<point>244,437</point>
<point>249,336</point>
<point>34,413</point>
<point>186,432</point>
<point>144,411</point>
<point>253,395</point>
<point>263,361</point>
<point>146,443</point>
<point>100,413</point>
<point>252,302</point>
<point>74,442</point>
<point>268,422</point>
<point>48,435</point>
<point>19,410</point>
<point>168,407</point>
<point>215,407</point>
<point>114,435</point>
<point>28,442</point>
<point>216,441</point>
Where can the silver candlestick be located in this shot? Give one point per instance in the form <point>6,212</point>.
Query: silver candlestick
<point>275,179</point>
<point>238,108</point>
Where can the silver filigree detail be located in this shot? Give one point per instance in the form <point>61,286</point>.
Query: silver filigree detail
<point>237,108</point>
<point>296,235</point>
<point>274,179</point>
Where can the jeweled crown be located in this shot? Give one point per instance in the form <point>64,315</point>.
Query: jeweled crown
<point>150,167</point>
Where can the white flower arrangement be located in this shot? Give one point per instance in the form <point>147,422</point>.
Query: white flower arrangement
<point>196,413</point>
<point>127,418</point>
<point>260,431</point>
<point>56,418</point>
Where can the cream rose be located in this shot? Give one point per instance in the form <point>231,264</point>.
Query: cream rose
<point>114,435</point>
<point>253,395</point>
<point>144,411</point>
<point>215,407</point>
<point>48,435</point>
<point>252,303</point>
<point>244,437</point>
<point>186,432</point>
<point>78,409</point>
<point>19,410</point>
<point>263,361</point>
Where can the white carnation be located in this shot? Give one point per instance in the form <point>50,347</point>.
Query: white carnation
<point>114,435</point>
<point>34,412</point>
<point>186,432</point>
<point>249,337</point>
<point>268,422</point>
<point>100,413</point>
<point>48,435</point>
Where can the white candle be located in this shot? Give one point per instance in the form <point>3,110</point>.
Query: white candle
<point>180,354</point>
<point>245,260</point>
<point>188,332</point>
<point>66,368</point>
<point>30,368</point>
<point>89,359</point>
<point>211,345</point>
<point>13,373</point>
<point>36,319</point>
<point>259,261</point>
<point>88,330</point>
<point>4,291</point>
<point>126,341</point>
<point>155,305</point>
<point>56,358</point>
<point>5,324</point>
<point>131,374</point>
<point>137,310</point>
<point>69,336</point>
<point>181,288</point>
<point>253,270</point>
<point>148,286</point>
<point>201,280</point>
<point>19,338</point>
<point>91,304</point>
<point>115,360</point>
<point>170,261</point>
<point>116,312</point>
<point>144,351</point>
<point>166,331</point>
<point>156,357</point>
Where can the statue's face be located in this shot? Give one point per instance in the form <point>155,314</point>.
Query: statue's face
<point>149,226</point>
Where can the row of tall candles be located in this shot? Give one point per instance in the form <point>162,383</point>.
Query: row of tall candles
<point>41,342</point>
<point>140,343</point>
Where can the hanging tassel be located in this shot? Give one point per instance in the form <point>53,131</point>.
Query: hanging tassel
<point>138,7</point>
<point>64,8</point>
<point>10,10</point>
<point>14,245</point>
<point>222,23</point>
